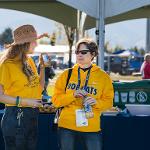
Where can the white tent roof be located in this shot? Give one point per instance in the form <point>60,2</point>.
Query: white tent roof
<point>116,7</point>
<point>65,11</point>
<point>112,7</point>
<point>109,11</point>
<point>125,54</point>
<point>52,49</point>
<point>114,11</point>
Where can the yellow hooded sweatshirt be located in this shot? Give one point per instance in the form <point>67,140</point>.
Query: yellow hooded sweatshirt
<point>15,82</point>
<point>99,87</point>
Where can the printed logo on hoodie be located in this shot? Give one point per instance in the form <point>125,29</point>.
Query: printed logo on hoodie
<point>89,89</point>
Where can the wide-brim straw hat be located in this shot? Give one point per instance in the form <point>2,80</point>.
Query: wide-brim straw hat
<point>24,34</point>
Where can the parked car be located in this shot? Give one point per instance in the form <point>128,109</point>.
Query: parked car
<point>122,65</point>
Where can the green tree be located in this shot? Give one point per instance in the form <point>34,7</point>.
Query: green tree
<point>118,47</point>
<point>6,37</point>
<point>107,47</point>
<point>142,51</point>
<point>135,48</point>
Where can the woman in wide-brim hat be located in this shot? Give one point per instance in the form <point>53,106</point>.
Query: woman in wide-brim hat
<point>20,90</point>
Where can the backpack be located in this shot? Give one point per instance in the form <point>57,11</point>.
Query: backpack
<point>58,111</point>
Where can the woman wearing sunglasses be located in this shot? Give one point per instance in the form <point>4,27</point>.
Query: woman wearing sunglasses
<point>89,92</point>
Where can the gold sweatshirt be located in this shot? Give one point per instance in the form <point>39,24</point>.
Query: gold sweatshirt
<point>99,87</point>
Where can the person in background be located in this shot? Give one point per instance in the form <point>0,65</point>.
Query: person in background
<point>145,68</point>
<point>88,94</point>
<point>20,90</point>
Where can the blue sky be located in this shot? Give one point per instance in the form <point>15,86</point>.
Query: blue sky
<point>127,34</point>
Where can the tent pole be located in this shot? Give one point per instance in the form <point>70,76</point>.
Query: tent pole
<point>81,16</point>
<point>82,22</point>
<point>78,25</point>
<point>101,33</point>
<point>148,36</point>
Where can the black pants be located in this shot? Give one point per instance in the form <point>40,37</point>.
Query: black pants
<point>20,135</point>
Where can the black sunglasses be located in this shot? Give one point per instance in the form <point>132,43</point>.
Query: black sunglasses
<point>83,52</point>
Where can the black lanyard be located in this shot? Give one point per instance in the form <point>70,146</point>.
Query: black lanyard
<point>87,78</point>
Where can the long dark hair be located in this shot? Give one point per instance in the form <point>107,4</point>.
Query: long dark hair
<point>18,50</point>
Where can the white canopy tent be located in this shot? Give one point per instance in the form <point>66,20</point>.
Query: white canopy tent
<point>114,10</point>
<point>47,8</point>
<point>51,9</point>
<point>65,11</point>
<point>57,50</point>
<point>109,11</point>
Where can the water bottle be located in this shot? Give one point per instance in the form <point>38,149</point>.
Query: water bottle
<point>116,98</point>
<point>88,111</point>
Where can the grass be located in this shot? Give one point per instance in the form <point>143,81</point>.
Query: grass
<point>114,77</point>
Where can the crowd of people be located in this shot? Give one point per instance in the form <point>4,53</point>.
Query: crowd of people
<point>82,97</point>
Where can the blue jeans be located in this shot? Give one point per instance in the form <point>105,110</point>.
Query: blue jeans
<point>23,135</point>
<point>90,140</point>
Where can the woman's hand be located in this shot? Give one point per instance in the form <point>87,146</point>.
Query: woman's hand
<point>80,93</point>
<point>34,103</point>
<point>48,108</point>
<point>43,35</point>
<point>41,61</point>
<point>89,101</point>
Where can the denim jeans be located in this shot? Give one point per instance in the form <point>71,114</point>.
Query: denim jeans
<point>90,140</point>
<point>20,135</point>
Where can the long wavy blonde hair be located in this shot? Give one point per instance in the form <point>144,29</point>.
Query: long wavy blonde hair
<point>19,50</point>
